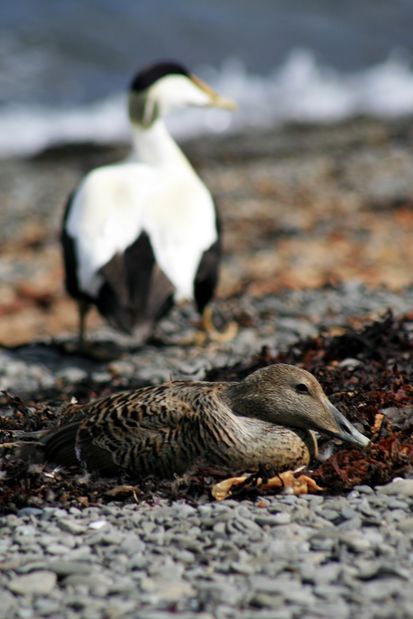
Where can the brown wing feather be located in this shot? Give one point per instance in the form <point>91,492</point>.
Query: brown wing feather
<point>151,430</point>
<point>141,437</point>
<point>59,446</point>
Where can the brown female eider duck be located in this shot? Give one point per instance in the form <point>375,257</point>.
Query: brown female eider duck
<point>269,418</point>
<point>142,234</point>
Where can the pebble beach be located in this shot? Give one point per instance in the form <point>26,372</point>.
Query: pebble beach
<point>318,224</point>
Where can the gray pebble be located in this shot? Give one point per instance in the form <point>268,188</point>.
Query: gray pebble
<point>406,525</point>
<point>72,374</point>
<point>56,549</point>
<point>355,541</point>
<point>38,583</point>
<point>64,568</point>
<point>29,511</point>
<point>273,520</point>
<point>45,607</point>
<point>8,604</point>
<point>71,526</point>
<point>330,514</point>
<point>399,487</point>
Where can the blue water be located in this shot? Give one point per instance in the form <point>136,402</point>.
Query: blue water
<point>64,64</point>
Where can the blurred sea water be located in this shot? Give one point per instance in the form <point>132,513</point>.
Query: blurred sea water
<point>65,65</point>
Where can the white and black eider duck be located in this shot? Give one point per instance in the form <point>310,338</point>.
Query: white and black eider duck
<point>269,418</point>
<point>143,233</point>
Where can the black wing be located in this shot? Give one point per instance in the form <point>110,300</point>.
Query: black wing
<point>69,257</point>
<point>206,278</point>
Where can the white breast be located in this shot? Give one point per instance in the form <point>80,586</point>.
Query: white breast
<point>181,226</point>
<point>114,204</point>
<point>106,217</point>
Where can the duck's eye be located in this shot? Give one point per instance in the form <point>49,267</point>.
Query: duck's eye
<point>302,388</point>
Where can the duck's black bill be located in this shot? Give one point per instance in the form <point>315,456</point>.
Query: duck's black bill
<point>346,431</point>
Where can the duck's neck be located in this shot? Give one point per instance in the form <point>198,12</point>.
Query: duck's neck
<point>242,438</point>
<point>246,442</point>
<point>155,146</point>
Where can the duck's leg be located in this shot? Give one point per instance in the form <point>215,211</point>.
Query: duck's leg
<point>81,346</point>
<point>288,482</point>
<point>212,333</point>
<point>98,351</point>
<point>291,483</point>
<point>207,331</point>
<point>223,489</point>
<point>83,308</point>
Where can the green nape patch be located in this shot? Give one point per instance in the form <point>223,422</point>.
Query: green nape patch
<point>366,372</point>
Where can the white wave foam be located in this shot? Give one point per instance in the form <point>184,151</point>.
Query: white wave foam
<point>300,90</point>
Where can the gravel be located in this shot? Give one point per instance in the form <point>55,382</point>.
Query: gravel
<point>280,557</point>
<point>284,557</point>
<point>275,321</point>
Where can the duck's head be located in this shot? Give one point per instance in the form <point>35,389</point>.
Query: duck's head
<point>289,396</point>
<point>164,86</point>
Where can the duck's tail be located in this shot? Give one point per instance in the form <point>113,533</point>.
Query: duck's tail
<point>29,446</point>
<point>57,446</point>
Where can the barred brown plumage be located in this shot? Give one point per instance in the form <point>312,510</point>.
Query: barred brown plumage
<point>267,418</point>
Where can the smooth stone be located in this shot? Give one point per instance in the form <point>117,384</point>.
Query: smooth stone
<point>98,524</point>
<point>8,604</point>
<point>329,591</point>
<point>64,568</point>
<point>24,531</point>
<point>159,614</point>
<point>29,511</point>
<point>382,588</point>
<point>219,592</point>
<point>303,597</point>
<point>322,543</point>
<point>38,583</point>
<point>282,518</point>
<point>397,504</point>
<point>72,374</point>
<point>25,613</point>
<point>406,525</point>
<point>322,574</point>
<point>260,599</point>
<point>355,541</point>
<point>71,526</point>
<point>45,606</point>
<point>279,585</point>
<point>348,513</point>
<point>367,569</point>
<point>32,566</point>
<point>174,591</point>
<point>401,487</point>
<point>87,580</point>
<point>56,549</point>
<point>242,568</point>
<point>329,514</point>
<point>364,489</point>
<point>349,363</point>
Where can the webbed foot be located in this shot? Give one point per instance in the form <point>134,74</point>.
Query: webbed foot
<point>288,482</point>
